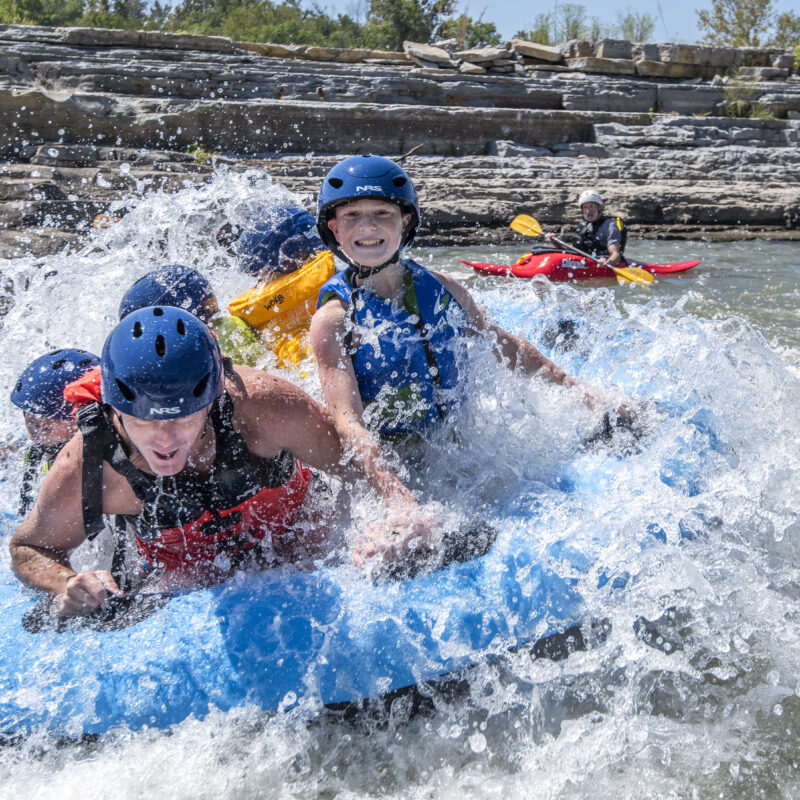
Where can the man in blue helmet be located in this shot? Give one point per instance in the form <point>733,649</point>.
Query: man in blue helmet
<point>278,243</point>
<point>184,287</point>
<point>387,331</point>
<point>39,392</point>
<point>205,461</point>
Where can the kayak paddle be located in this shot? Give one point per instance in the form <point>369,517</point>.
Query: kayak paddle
<point>528,226</point>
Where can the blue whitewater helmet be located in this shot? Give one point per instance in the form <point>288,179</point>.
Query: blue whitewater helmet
<point>281,241</point>
<point>40,387</point>
<point>173,285</point>
<point>366,176</point>
<point>161,362</point>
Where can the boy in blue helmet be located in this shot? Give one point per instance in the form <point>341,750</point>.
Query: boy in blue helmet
<point>205,461</point>
<point>39,392</point>
<point>184,287</point>
<point>387,330</point>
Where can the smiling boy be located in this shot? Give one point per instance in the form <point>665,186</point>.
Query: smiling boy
<point>387,331</point>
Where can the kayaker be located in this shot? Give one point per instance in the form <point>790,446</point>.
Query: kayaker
<point>387,331</point>
<point>278,243</point>
<point>184,287</point>
<point>39,392</point>
<point>205,460</point>
<point>599,234</point>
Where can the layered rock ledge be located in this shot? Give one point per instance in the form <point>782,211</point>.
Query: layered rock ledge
<point>91,115</point>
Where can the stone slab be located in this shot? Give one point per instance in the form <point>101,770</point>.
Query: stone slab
<point>507,149</point>
<point>468,68</point>
<point>480,55</point>
<point>603,66</point>
<point>613,48</point>
<point>662,69</point>
<point>762,73</point>
<point>577,48</point>
<point>428,54</point>
<point>541,52</point>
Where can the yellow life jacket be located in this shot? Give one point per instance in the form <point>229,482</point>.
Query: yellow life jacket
<point>281,309</point>
<point>286,302</point>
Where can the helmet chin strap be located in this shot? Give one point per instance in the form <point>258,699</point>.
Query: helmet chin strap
<point>362,272</point>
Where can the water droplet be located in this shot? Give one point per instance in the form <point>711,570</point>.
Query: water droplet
<point>477,742</point>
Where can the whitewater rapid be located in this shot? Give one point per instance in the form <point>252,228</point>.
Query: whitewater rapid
<point>686,540</point>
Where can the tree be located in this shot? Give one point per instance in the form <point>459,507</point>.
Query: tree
<point>571,22</point>
<point>542,31</point>
<point>737,23</point>
<point>469,32</point>
<point>787,31</point>
<point>568,21</point>
<point>41,12</point>
<point>635,26</point>
<point>391,22</point>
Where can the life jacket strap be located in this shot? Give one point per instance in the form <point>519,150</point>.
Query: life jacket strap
<point>91,422</point>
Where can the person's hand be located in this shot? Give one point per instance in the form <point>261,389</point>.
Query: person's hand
<point>86,592</point>
<point>596,400</point>
<point>548,237</point>
<point>408,528</point>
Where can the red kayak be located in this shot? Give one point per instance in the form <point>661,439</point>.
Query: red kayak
<point>558,266</point>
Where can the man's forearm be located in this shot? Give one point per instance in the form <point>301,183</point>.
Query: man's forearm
<point>40,567</point>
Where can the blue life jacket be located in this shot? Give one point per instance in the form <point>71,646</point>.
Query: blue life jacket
<point>405,359</point>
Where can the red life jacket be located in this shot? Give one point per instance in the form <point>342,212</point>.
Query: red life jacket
<point>190,521</point>
<point>85,389</point>
<point>231,532</point>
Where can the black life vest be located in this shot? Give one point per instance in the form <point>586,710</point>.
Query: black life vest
<point>589,240</point>
<point>188,519</point>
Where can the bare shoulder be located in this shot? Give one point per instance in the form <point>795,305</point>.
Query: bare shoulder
<point>254,389</point>
<point>269,410</point>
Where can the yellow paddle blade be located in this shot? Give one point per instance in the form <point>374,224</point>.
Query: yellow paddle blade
<point>526,225</point>
<point>633,275</point>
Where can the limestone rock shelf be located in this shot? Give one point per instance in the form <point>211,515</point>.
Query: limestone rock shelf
<point>88,116</point>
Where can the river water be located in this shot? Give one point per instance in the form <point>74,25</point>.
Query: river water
<point>690,534</point>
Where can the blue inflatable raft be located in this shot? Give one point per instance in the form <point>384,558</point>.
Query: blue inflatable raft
<point>275,639</point>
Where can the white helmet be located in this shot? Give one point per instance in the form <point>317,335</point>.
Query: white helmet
<point>590,196</point>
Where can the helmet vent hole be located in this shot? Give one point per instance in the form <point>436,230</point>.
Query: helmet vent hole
<point>181,328</point>
<point>158,312</point>
<point>400,180</point>
<point>60,363</point>
<point>337,183</point>
<point>161,345</point>
<point>127,393</point>
<point>137,329</point>
<point>201,387</point>
<point>84,362</point>
<point>19,386</point>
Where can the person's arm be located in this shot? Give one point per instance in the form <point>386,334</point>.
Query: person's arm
<point>614,256</point>
<point>406,524</point>
<point>340,389</point>
<point>514,351</point>
<point>41,545</point>
<point>518,353</point>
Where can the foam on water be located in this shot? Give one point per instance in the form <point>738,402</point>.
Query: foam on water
<point>686,540</point>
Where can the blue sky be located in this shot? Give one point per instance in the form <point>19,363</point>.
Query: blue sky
<point>675,19</point>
